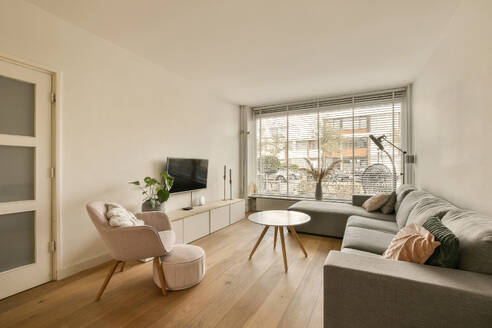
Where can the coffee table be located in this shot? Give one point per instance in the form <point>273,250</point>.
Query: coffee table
<point>279,220</point>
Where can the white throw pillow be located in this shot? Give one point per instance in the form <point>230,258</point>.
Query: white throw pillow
<point>119,216</point>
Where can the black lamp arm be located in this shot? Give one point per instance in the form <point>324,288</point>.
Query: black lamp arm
<point>386,139</point>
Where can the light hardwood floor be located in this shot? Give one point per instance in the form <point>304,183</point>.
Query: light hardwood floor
<point>235,292</point>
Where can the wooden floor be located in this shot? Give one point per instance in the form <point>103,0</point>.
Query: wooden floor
<point>235,292</point>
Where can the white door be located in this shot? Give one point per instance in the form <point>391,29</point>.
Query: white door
<point>25,186</point>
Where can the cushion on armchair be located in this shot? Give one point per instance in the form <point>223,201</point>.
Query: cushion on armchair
<point>119,216</point>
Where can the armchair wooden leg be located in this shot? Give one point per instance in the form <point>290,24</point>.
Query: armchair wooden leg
<point>106,281</point>
<point>122,266</point>
<point>157,261</point>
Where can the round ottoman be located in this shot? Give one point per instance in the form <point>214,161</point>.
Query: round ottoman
<point>183,267</point>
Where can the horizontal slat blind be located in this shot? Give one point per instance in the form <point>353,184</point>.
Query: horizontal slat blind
<point>327,130</point>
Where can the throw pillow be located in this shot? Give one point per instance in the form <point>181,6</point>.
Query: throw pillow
<point>446,255</point>
<point>412,243</point>
<point>389,206</point>
<point>119,216</point>
<point>375,202</point>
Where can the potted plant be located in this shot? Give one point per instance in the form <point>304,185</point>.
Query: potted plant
<point>156,192</point>
<point>319,173</point>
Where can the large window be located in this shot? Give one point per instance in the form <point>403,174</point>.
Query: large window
<point>323,131</point>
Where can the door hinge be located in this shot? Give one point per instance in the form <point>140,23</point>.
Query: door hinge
<point>53,97</point>
<point>52,246</point>
<point>52,172</point>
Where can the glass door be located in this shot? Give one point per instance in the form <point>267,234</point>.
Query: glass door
<point>25,182</point>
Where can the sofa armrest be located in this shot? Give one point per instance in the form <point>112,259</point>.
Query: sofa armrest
<point>358,200</point>
<point>364,291</point>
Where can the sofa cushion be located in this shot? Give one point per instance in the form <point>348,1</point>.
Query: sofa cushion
<point>401,192</point>
<point>408,204</point>
<point>330,218</point>
<point>368,240</point>
<point>474,231</point>
<point>448,254</point>
<point>427,208</point>
<point>374,224</point>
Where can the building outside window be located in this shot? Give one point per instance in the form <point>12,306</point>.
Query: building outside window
<point>287,138</point>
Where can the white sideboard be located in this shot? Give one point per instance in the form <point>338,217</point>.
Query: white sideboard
<point>203,220</point>
<point>220,217</point>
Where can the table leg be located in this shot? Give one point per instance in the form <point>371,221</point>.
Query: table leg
<point>259,241</point>
<point>298,240</point>
<point>275,237</point>
<point>282,240</point>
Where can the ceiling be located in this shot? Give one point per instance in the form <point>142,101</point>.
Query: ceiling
<point>263,51</point>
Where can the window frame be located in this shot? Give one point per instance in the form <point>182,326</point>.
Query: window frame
<point>405,135</point>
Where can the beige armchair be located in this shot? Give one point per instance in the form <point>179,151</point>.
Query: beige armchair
<point>154,239</point>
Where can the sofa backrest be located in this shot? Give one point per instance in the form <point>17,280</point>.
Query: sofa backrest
<point>407,205</point>
<point>474,231</point>
<point>401,192</point>
<point>429,207</point>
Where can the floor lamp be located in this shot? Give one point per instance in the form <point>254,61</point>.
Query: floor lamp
<point>378,142</point>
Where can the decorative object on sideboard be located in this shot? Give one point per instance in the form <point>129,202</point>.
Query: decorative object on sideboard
<point>202,200</point>
<point>225,176</point>
<point>319,173</point>
<point>230,184</point>
<point>156,192</point>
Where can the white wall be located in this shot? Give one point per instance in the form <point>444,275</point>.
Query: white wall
<point>121,117</point>
<point>453,111</point>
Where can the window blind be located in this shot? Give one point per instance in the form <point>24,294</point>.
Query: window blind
<point>324,131</point>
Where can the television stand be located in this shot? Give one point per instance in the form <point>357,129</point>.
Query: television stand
<point>187,208</point>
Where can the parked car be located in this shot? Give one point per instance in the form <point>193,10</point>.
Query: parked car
<point>281,175</point>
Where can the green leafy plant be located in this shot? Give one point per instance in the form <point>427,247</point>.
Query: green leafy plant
<point>156,192</point>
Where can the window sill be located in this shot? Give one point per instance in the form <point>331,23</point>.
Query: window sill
<point>256,196</point>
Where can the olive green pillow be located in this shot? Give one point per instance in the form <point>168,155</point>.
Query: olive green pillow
<point>389,206</point>
<point>446,255</point>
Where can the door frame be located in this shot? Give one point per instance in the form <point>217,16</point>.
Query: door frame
<point>55,154</point>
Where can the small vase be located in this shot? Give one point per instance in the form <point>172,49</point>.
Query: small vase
<point>159,207</point>
<point>319,191</point>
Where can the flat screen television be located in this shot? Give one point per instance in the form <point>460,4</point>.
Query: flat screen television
<point>188,173</point>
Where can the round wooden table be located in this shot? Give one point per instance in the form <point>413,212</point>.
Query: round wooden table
<point>279,220</point>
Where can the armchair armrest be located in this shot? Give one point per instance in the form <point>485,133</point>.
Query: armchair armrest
<point>364,291</point>
<point>132,243</point>
<point>159,220</point>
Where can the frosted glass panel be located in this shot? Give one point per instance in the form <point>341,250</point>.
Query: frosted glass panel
<point>16,107</point>
<point>16,173</point>
<point>16,240</point>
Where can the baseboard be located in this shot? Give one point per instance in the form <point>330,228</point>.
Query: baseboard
<point>84,265</point>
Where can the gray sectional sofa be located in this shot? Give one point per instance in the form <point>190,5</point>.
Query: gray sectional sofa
<point>361,289</point>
